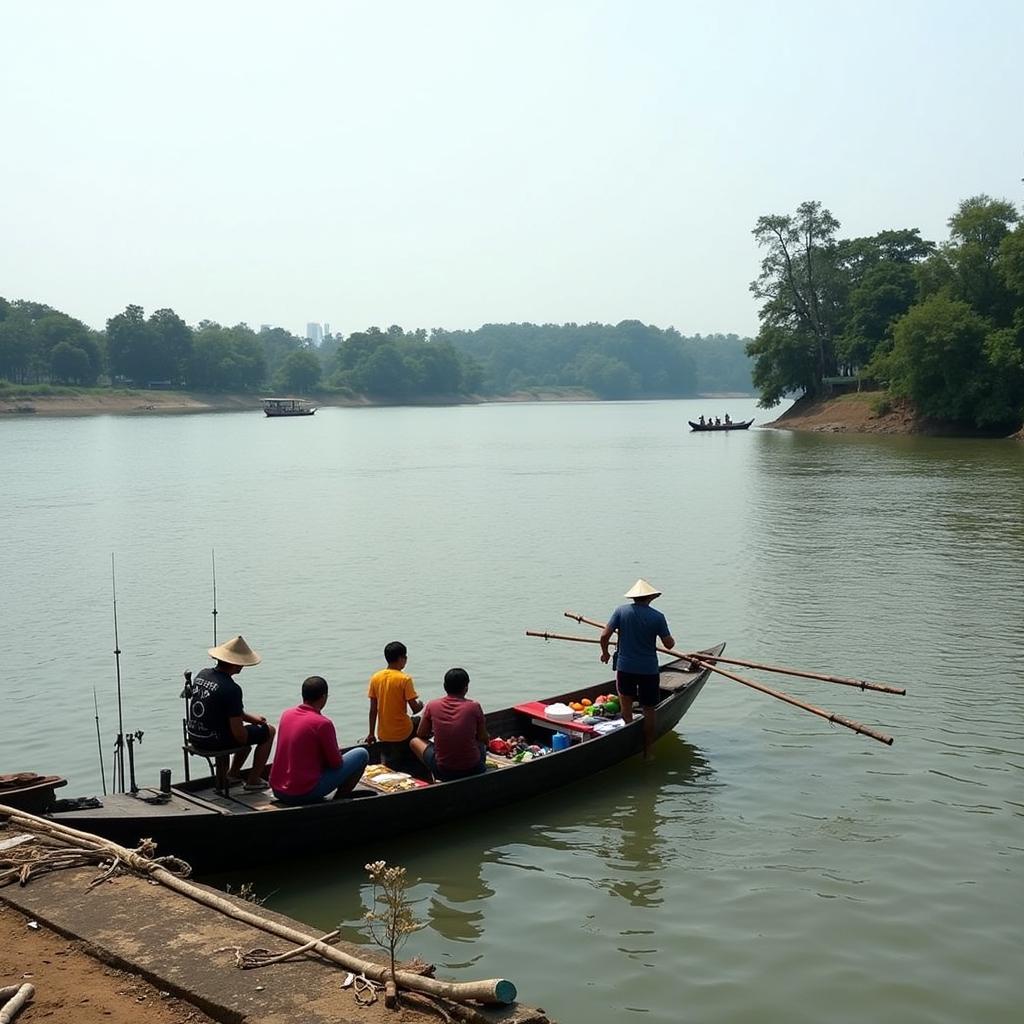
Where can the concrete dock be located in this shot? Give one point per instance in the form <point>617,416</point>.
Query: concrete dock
<point>172,942</point>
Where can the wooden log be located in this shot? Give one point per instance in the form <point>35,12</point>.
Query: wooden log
<point>6,992</point>
<point>17,1003</point>
<point>491,991</point>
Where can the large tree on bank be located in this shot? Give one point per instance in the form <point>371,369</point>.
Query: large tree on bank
<point>803,293</point>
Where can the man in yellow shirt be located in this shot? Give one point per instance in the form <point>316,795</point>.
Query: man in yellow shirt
<point>391,692</point>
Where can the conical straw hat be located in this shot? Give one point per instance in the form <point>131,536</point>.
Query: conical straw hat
<point>235,652</point>
<point>642,589</point>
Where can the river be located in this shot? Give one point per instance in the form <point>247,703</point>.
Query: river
<point>766,867</point>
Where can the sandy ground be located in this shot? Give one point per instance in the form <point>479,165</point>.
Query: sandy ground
<point>72,986</point>
<point>94,403</point>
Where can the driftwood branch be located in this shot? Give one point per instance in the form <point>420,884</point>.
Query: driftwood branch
<point>17,1003</point>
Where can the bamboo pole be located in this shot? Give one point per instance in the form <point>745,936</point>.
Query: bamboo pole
<point>861,684</point>
<point>830,716</point>
<point>496,990</point>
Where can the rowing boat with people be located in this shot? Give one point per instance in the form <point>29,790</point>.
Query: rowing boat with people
<point>214,830</point>
<point>730,425</point>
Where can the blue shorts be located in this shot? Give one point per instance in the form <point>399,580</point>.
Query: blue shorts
<point>639,685</point>
<point>443,775</point>
<point>353,762</point>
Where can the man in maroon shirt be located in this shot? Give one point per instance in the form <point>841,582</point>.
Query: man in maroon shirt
<point>308,763</point>
<point>460,735</point>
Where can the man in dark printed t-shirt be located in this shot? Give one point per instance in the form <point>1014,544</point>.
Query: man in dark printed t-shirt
<point>217,718</point>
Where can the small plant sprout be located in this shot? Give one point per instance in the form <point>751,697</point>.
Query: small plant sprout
<point>390,920</point>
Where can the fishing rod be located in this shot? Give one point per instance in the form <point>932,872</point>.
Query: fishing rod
<point>119,742</point>
<point>213,557</point>
<point>99,742</point>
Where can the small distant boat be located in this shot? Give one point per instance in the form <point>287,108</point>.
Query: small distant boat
<point>742,425</point>
<point>287,407</point>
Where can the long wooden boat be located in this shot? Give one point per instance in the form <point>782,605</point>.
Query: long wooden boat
<point>212,831</point>
<point>741,425</point>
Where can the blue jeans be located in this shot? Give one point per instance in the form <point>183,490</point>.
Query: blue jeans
<point>353,762</point>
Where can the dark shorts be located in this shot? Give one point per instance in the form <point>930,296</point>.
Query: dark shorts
<point>430,760</point>
<point>396,753</point>
<point>646,689</point>
<point>256,733</point>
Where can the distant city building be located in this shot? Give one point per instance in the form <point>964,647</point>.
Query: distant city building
<point>327,329</point>
<point>266,327</point>
<point>314,333</point>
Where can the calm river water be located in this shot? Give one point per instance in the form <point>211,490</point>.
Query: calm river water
<point>767,867</point>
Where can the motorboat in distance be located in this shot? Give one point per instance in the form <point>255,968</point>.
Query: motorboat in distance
<point>287,407</point>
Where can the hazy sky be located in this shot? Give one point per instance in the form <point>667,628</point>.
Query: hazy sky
<point>447,164</point>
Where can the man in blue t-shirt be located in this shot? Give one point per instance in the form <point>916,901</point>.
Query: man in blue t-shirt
<point>636,660</point>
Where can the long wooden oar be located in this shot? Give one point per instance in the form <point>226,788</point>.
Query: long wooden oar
<point>861,684</point>
<point>829,716</point>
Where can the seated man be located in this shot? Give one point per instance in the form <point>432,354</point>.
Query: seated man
<point>308,764</point>
<point>460,735</point>
<point>217,719</point>
<point>392,695</point>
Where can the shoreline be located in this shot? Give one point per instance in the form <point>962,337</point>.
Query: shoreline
<point>104,402</point>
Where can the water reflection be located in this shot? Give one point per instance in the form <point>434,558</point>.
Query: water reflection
<point>619,826</point>
<point>625,828</point>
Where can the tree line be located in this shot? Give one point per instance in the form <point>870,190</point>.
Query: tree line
<point>628,360</point>
<point>939,324</point>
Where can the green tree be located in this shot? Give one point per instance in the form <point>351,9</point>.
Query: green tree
<point>278,344</point>
<point>977,231</point>
<point>226,358</point>
<point>886,291</point>
<point>301,372</point>
<point>170,340</point>
<point>606,376</point>
<point>127,344</point>
<point>70,365</point>
<point>16,346</point>
<point>938,359</point>
<point>802,288</point>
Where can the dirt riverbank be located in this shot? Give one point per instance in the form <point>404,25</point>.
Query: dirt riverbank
<point>854,413</point>
<point>869,412</point>
<point>71,985</point>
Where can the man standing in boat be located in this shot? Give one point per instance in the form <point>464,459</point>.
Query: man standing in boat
<point>308,764</point>
<point>636,658</point>
<point>217,719</point>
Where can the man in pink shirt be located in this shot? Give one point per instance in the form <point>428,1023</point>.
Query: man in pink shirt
<point>308,763</point>
<point>460,734</point>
